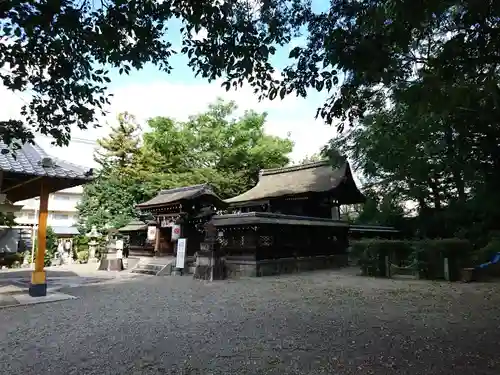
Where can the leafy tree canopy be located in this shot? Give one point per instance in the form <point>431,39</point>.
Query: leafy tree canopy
<point>109,200</point>
<point>61,51</point>
<point>215,147</point>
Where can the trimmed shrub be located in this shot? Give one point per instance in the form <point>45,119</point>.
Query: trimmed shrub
<point>486,253</point>
<point>431,254</point>
<point>82,256</point>
<point>372,253</point>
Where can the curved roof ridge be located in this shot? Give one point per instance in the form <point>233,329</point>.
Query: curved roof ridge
<point>293,168</point>
<point>185,188</point>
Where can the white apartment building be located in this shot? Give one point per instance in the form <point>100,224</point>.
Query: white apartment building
<point>62,209</point>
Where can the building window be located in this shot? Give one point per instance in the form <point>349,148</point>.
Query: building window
<point>60,216</point>
<point>61,197</point>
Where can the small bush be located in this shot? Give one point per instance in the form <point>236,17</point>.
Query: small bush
<point>82,256</point>
<point>10,260</point>
<point>486,253</point>
<point>431,254</point>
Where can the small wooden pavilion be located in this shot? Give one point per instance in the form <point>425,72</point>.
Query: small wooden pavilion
<point>136,232</point>
<point>183,209</point>
<point>30,172</point>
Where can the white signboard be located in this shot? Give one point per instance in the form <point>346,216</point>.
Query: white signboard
<point>176,232</point>
<point>181,252</point>
<point>119,244</point>
<point>151,233</point>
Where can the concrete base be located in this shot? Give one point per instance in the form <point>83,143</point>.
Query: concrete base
<point>38,290</point>
<point>246,267</point>
<point>178,271</point>
<point>111,265</point>
<point>22,299</point>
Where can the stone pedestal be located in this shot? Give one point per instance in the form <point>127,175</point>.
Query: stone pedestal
<point>209,265</point>
<point>92,250</point>
<point>111,260</point>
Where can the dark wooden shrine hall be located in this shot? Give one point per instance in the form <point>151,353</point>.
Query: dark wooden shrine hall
<point>289,221</point>
<point>190,207</point>
<point>312,189</point>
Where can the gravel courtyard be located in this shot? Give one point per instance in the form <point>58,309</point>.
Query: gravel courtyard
<point>316,323</point>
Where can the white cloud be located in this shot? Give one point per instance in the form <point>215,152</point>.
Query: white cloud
<point>291,115</point>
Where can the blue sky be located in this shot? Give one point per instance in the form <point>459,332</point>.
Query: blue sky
<point>150,92</point>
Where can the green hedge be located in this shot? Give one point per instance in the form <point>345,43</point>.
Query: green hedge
<point>371,254</point>
<point>82,256</point>
<point>429,255</point>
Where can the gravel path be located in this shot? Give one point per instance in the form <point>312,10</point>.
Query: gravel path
<point>317,323</point>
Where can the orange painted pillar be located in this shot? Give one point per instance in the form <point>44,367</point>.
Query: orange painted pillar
<point>38,286</point>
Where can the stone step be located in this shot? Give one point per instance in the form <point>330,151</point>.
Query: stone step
<point>144,272</point>
<point>151,267</point>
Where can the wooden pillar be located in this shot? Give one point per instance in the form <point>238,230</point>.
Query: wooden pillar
<point>157,240</point>
<point>38,286</point>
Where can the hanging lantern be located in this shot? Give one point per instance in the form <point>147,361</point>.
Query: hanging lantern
<point>176,232</point>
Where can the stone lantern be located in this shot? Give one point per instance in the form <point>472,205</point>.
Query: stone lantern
<point>94,236</point>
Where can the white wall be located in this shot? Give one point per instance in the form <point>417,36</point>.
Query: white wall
<point>62,208</point>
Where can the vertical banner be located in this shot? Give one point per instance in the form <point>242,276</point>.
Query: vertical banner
<point>119,249</point>
<point>151,233</point>
<point>181,252</point>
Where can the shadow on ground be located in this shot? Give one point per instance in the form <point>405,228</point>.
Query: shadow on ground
<point>316,323</point>
<point>26,273</point>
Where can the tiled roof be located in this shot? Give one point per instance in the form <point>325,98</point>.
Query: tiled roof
<point>28,161</point>
<point>73,231</point>
<point>316,177</point>
<point>180,194</point>
<point>133,226</point>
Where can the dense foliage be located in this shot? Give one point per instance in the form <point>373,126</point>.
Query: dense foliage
<point>50,246</point>
<point>359,51</point>
<point>214,147</point>
<point>418,82</point>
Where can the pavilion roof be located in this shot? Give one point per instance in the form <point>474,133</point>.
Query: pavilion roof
<point>315,177</point>
<point>177,195</point>
<point>134,226</point>
<point>24,169</point>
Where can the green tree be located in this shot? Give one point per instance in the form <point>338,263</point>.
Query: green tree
<point>311,158</point>
<point>62,50</point>
<point>7,218</point>
<point>50,246</point>
<point>216,147</point>
<point>109,200</point>
<point>213,147</point>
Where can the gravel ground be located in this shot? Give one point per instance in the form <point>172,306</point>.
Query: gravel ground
<point>317,323</point>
